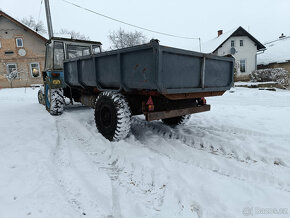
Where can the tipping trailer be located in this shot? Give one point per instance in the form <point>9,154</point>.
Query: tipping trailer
<point>163,83</point>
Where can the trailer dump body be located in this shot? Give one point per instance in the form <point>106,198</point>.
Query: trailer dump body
<point>151,67</point>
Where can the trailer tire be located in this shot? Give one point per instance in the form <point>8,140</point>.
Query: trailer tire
<point>54,100</point>
<point>176,121</point>
<point>112,115</point>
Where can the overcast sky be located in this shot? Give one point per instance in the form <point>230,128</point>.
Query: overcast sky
<point>264,19</point>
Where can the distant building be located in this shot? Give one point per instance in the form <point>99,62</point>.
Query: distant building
<point>22,53</point>
<point>277,54</point>
<point>240,44</point>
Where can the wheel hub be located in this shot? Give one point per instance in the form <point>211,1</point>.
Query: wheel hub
<point>106,117</point>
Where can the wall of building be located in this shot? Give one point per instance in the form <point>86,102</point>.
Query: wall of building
<point>247,52</point>
<point>35,53</point>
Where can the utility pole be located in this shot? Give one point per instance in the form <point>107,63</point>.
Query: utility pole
<point>199,44</point>
<point>48,19</point>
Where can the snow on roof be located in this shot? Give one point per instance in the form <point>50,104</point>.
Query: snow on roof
<point>278,51</point>
<point>213,44</point>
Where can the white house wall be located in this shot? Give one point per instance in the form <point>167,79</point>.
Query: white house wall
<point>247,52</point>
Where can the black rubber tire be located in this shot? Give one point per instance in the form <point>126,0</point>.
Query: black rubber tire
<point>112,115</point>
<point>41,98</point>
<point>54,100</point>
<point>176,121</point>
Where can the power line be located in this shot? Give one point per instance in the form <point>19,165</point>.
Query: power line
<point>132,25</point>
<point>39,11</point>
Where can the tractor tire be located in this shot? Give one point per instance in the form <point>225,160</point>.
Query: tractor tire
<point>41,98</point>
<point>112,115</point>
<point>54,100</point>
<point>176,121</point>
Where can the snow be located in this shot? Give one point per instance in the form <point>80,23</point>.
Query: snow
<point>277,52</point>
<point>229,162</point>
<point>254,83</point>
<point>211,45</point>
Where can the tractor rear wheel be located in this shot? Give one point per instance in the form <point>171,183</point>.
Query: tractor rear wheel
<point>54,100</point>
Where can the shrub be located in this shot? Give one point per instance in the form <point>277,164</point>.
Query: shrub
<point>279,75</point>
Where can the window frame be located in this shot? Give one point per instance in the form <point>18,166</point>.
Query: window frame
<point>241,43</point>
<point>7,67</point>
<point>16,40</point>
<point>94,47</point>
<point>31,73</point>
<point>244,60</point>
<point>233,43</point>
<point>54,67</point>
<point>72,47</point>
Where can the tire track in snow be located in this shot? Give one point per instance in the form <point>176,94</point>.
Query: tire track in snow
<point>121,178</point>
<point>170,135</point>
<point>245,170</point>
<point>77,187</point>
<point>203,140</point>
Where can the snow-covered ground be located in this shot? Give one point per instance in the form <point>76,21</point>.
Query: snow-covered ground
<point>233,161</point>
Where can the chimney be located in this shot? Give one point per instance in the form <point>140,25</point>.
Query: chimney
<point>220,32</point>
<point>282,36</point>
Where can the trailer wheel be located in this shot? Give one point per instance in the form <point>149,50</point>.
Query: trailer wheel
<point>176,121</point>
<point>41,98</point>
<point>54,100</point>
<point>112,115</point>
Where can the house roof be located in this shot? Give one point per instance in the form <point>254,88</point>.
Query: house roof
<point>278,51</point>
<point>26,28</point>
<point>212,45</point>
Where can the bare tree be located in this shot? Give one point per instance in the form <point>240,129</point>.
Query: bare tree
<point>73,34</point>
<point>36,26</point>
<point>122,39</point>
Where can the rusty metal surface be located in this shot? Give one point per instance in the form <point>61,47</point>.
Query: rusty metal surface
<point>175,113</point>
<point>193,95</point>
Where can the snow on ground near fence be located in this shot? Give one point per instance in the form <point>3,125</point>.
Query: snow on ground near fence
<point>229,162</point>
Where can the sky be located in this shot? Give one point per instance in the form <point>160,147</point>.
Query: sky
<point>264,19</point>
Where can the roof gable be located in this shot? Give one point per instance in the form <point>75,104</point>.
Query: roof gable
<point>214,44</point>
<point>26,28</point>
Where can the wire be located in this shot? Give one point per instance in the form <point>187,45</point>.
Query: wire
<point>39,11</point>
<point>132,25</point>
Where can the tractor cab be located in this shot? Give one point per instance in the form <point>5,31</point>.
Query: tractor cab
<point>60,49</point>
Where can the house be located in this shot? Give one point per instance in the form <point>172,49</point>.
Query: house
<point>241,45</point>
<point>22,53</point>
<point>277,54</point>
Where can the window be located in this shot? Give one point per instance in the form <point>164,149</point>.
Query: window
<point>232,43</point>
<point>241,42</point>
<point>48,57</point>
<point>74,51</point>
<point>9,52</point>
<point>12,71</point>
<point>34,69</point>
<point>96,49</point>
<point>58,55</point>
<point>242,66</point>
<point>19,42</point>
